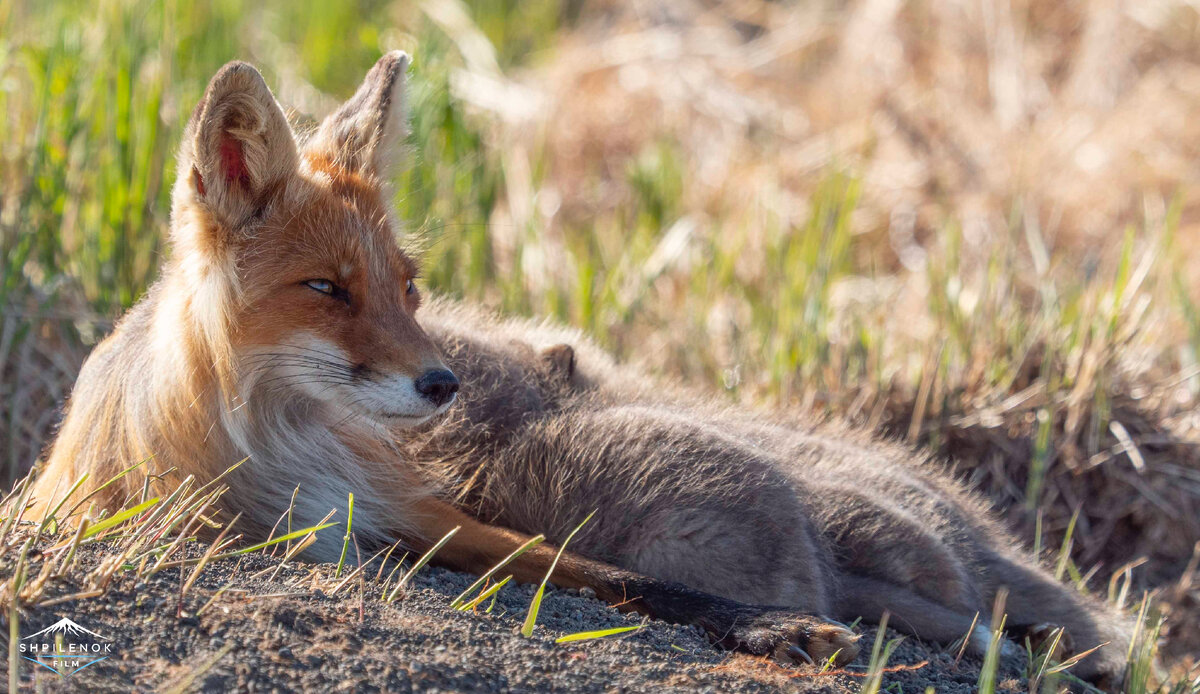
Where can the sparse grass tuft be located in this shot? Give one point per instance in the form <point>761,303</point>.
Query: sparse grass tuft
<point>528,545</point>
<point>420,563</point>
<point>483,595</point>
<point>536,604</point>
<point>1143,671</point>
<point>880,654</point>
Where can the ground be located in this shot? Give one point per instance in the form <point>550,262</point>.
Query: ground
<point>282,635</point>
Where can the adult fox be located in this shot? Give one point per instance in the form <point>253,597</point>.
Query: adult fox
<point>284,328</point>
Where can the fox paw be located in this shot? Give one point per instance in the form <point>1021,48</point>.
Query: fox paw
<point>793,638</point>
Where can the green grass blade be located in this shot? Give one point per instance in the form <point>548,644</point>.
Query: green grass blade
<point>346,539</point>
<point>14,617</point>
<point>421,562</point>
<point>533,542</point>
<point>275,541</point>
<point>589,635</point>
<point>536,605</point>
<point>880,654</point>
<point>101,488</point>
<point>52,516</point>
<point>874,666</point>
<point>484,595</point>
<point>1064,552</point>
<point>119,518</point>
<point>991,663</point>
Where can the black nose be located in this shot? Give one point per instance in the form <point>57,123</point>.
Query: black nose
<point>437,386</point>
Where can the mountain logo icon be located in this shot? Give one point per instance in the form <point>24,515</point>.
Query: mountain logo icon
<point>65,647</point>
<point>65,626</point>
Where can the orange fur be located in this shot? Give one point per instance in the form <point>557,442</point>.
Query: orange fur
<point>186,378</point>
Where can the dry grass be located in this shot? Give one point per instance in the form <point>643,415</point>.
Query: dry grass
<point>1012,288</point>
<point>969,225</point>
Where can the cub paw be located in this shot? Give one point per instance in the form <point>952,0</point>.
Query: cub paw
<point>793,637</point>
<point>1041,636</point>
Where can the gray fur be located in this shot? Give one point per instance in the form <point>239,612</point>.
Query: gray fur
<point>764,511</point>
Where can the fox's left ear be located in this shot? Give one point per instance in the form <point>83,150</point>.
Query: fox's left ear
<point>363,136</point>
<point>238,148</point>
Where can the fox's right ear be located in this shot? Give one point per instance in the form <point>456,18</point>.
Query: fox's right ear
<point>363,136</point>
<point>238,148</point>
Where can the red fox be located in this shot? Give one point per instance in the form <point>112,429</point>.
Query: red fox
<point>284,328</point>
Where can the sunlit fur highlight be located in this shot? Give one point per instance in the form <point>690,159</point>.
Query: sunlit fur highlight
<point>206,370</point>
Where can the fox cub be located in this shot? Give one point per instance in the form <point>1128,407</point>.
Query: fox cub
<point>284,328</point>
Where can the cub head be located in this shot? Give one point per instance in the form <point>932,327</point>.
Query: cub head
<point>286,253</point>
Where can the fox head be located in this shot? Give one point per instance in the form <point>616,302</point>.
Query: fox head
<point>292,279</point>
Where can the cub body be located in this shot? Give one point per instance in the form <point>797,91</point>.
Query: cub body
<point>815,516</point>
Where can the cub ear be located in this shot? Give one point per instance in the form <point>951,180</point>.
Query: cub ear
<point>559,360</point>
<point>237,149</point>
<point>363,136</point>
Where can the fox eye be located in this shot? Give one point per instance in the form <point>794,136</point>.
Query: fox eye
<point>323,286</point>
<point>410,287</point>
<point>328,288</point>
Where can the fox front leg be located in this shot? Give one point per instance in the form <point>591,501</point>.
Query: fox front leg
<point>789,635</point>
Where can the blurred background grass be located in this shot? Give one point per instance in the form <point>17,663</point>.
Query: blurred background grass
<point>967,225</point>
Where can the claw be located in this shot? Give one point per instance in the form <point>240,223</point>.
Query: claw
<point>835,642</point>
<point>800,654</point>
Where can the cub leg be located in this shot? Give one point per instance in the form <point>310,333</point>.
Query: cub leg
<point>1037,599</point>
<point>870,598</point>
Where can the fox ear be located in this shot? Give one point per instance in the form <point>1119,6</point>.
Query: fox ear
<point>238,147</point>
<point>364,135</point>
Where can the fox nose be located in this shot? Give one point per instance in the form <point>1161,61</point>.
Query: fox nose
<point>437,386</point>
